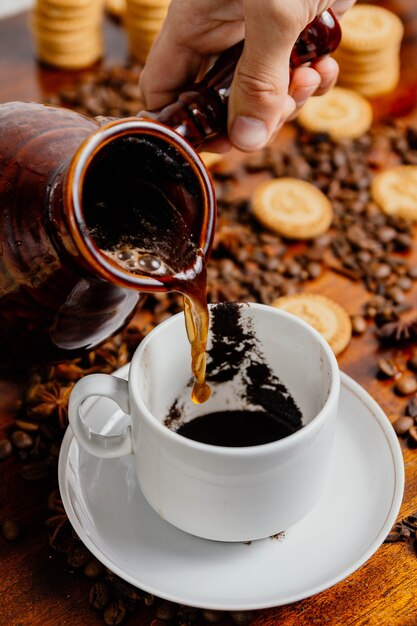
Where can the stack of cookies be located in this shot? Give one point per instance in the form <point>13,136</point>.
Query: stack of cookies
<point>68,33</point>
<point>369,53</point>
<point>143,22</point>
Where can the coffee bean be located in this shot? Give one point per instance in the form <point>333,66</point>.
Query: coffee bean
<point>99,596</point>
<point>54,502</point>
<point>11,530</point>
<point>382,270</point>
<point>406,385</point>
<point>387,368</point>
<point>399,533</point>
<point>212,617</point>
<point>78,556</point>
<point>403,424</point>
<point>413,434</point>
<point>34,471</point>
<point>412,407</point>
<point>115,613</point>
<point>21,440</point>
<point>165,610</point>
<point>314,269</point>
<point>403,242</point>
<point>358,324</point>
<point>405,283</point>
<point>242,618</point>
<point>26,425</point>
<point>93,569</point>
<point>412,362</point>
<point>6,449</point>
<point>397,295</point>
<point>386,234</point>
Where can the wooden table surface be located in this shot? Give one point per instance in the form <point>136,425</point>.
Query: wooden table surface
<point>37,586</point>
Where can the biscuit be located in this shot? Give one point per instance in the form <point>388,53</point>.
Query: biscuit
<point>325,315</point>
<point>368,27</point>
<point>395,191</point>
<point>292,208</point>
<point>341,112</point>
<point>115,8</point>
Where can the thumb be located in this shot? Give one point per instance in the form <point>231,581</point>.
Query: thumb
<point>261,80</point>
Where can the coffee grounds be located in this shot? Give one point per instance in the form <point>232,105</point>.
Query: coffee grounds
<point>235,351</point>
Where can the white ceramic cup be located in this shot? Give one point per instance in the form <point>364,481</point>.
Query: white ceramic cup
<point>216,492</point>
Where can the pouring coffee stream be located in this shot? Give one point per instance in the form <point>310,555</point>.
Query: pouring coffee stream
<point>93,215</point>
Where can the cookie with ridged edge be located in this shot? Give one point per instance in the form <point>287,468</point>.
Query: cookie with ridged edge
<point>292,208</point>
<point>328,317</point>
<point>341,112</point>
<point>395,191</point>
<point>115,8</point>
<point>369,27</point>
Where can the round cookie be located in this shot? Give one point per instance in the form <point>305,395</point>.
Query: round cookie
<point>395,191</point>
<point>115,8</point>
<point>292,208</point>
<point>342,113</point>
<point>368,27</point>
<point>325,315</point>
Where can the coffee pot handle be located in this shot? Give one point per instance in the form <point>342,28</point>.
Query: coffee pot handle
<point>200,113</point>
<point>117,389</point>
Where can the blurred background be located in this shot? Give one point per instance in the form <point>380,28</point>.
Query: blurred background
<point>8,7</point>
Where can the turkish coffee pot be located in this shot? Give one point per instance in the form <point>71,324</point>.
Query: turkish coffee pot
<point>60,295</point>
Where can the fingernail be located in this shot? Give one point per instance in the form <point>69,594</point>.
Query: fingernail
<point>248,133</point>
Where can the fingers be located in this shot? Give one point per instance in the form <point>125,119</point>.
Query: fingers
<point>312,81</point>
<point>341,6</point>
<point>261,79</point>
<point>161,77</point>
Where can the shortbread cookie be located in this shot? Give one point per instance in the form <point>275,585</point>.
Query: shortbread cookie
<point>368,27</point>
<point>325,315</point>
<point>340,112</point>
<point>115,8</point>
<point>292,208</point>
<point>395,191</point>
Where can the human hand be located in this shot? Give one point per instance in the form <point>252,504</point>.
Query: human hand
<point>263,95</point>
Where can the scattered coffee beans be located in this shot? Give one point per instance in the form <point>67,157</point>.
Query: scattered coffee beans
<point>247,264</point>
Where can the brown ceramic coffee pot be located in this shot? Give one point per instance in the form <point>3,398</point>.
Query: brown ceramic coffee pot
<point>60,296</point>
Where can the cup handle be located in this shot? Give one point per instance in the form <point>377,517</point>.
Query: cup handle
<point>117,389</point>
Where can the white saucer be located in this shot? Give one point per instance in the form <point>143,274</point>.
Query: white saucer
<point>108,511</point>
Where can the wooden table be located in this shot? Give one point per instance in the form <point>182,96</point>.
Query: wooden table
<point>36,584</point>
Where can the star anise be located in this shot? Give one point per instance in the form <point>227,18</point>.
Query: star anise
<point>109,357</point>
<point>398,332</point>
<point>47,400</point>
